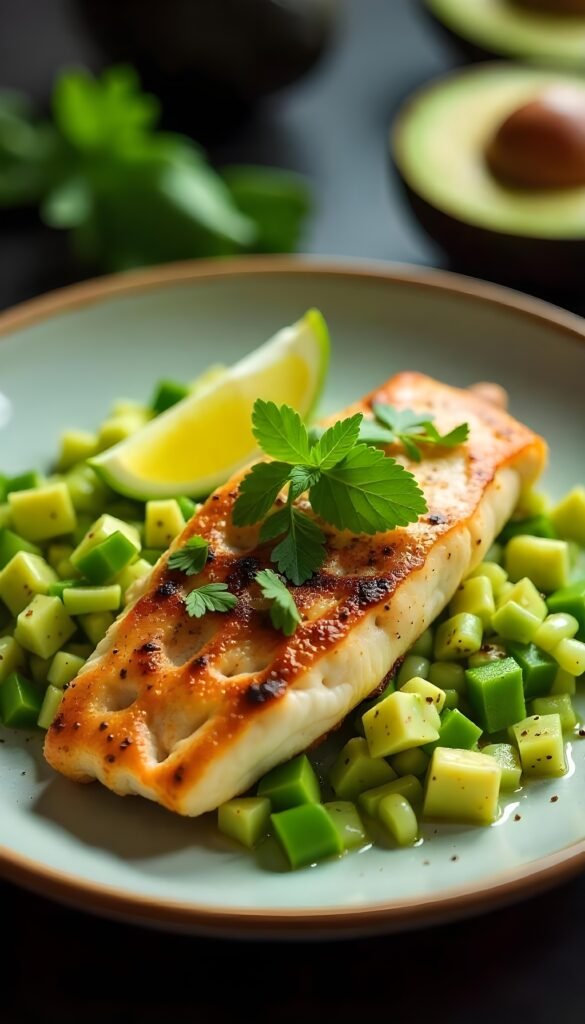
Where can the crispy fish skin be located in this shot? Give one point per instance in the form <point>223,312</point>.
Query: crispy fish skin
<point>190,712</point>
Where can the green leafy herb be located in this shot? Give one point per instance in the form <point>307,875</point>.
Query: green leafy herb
<point>130,193</point>
<point>211,597</point>
<point>284,613</point>
<point>192,557</point>
<point>350,485</point>
<point>411,429</point>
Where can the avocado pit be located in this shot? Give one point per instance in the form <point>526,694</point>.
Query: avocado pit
<point>541,145</point>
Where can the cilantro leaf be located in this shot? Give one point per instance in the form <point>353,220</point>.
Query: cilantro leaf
<point>372,432</point>
<point>280,432</point>
<point>336,442</point>
<point>302,549</point>
<point>367,493</point>
<point>284,613</point>
<point>191,558</point>
<point>211,597</point>
<point>302,478</point>
<point>409,428</point>
<point>258,491</point>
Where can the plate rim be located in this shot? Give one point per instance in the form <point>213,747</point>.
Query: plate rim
<point>494,891</point>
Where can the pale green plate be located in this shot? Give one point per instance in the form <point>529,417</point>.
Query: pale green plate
<point>62,361</point>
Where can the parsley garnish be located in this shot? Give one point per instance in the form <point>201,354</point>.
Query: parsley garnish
<point>211,597</point>
<point>411,429</point>
<point>284,613</point>
<point>191,558</point>
<point>351,485</point>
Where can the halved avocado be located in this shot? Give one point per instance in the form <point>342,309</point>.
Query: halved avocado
<point>548,32</point>
<point>441,143</point>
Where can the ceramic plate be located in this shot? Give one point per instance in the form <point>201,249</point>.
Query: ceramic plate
<point>63,358</point>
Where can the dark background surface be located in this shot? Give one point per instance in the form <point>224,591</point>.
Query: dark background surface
<point>522,963</point>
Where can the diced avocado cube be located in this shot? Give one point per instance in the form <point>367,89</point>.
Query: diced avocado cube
<point>244,819</point>
<point>11,544</point>
<point>102,563</point>
<point>49,707</point>
<point>347,823</point>
<point>44,626</point>
<point>136,571</point>
<point>448,675</point>
<point>75,446</point>
<point>430,693</point>
<point>458,637</point>
<point>399,722</point>
<point>487,652</point>
<point>187,506</point>
<point>424,646</point>
<point>462,785</point>
<point>557,627</point>
<point>23,577</point>
<point>410,762</point>
<point>398,818</point>
<point>534,526</point>
<point>540,744</point>
<point>38,668</point>
<point>569,599</point>
<point>564,682</point>
<point>88,492</point>
<point>24,481</point>
<point>12,657</point>
<point>291,784</point>
<point>545,561</point>
<point>164,521</point>
<point>82,600</point>
<point>168,393</point>
<point>129,406</point>
<point>569,516</point>
<point>560,705</point>
<point>63,668</point>
<point>20,702</point>
<point>456,731</point>
<point>407,786</point>
<point>103,528</point>
<point>494,573</point>
<point>95,625</point>
<point>532,503</point>
<point>413,666</point>
<point>307,834</point>
<point>117,428</point>
<point>43,513</point>
<point>538,668</point>
<point>355,771</point>
<point>496,694</point>
<point>513,622</point>
<point>507,757</point>
<point>525,594</point>
<point>570,655</point>
<point>476,597</point>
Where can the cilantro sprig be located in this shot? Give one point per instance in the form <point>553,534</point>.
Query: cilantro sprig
<point>192,557</point>
<point>211,597</point>
<point>284,613</point>
<point>408,428</point>
<point>351,486</point>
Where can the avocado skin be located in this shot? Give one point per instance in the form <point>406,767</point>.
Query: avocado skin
<point>545,263</point>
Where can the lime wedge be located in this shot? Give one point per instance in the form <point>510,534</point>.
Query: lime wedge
<point>197,444</point>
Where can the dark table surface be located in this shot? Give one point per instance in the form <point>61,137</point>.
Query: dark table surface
<point>524,962</point>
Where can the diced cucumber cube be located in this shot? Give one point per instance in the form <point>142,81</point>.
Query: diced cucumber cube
<point>458,636</point>
<point>570,655</point>
<point>88,492</point>
<point>399,722</point>
<point>410,762</point>
<point>49,707</point>
<point>560,705</point>
<point>448,675</point>
<point>476,597</point>
<point>44,626</point>
<point>63,668</point>
<point>538,668</point>
<point>12,657</point>
<point>355,771</point>
<point>102,563</point>
<point>347,823</point>
<point>456,731</point>
<point>413,667</point>
<point>103,528</point>
<point>564,682</point>
<point>462,785</point>
<point>291,784</point>
<point>168,393</point>
<point>244,819</point>
<point>430,693</point>
<point>307,834</point>
<point>424,645</point>
<point>95,625</point>
<point>11,544</point>
<point>451,699</point>
<point>545,561</point>
<point>136,571</point>
<point>569,599</point>
<point>569,516</point>
<point>20,702</point>
<point>493,572</point>
<point>496,694</point>
<point>75,446</point>
<point>82,600</point>
<point>43,513</point>
<point>398,818</point>
<point>24,481</point>
<point>539,739</point>
<point>23,577</point>
<point>407,786</point>
<point>555,628</point>
<point>507,757</point>
<point>163,522</point>
<point>513,622</point>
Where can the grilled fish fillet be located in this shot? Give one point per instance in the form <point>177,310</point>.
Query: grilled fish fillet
<point>190,712</point>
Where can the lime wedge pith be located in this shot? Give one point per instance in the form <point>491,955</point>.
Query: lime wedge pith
<point>196,445</point>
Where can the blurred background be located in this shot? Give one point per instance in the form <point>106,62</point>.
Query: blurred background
<point>96,176</point>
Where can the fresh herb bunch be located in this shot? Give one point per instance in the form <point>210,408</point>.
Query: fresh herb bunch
<point>351,485</point>
<point>129,193</point>
<point>408,428</point>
